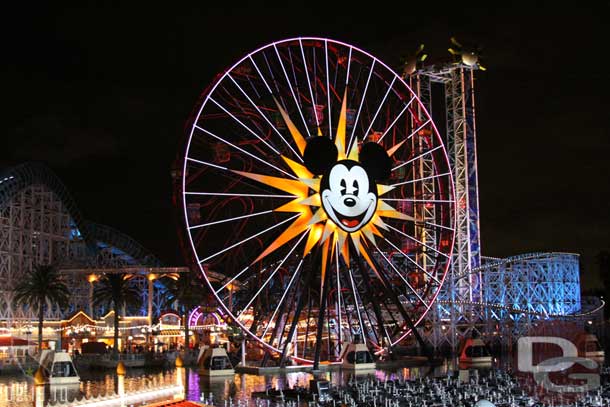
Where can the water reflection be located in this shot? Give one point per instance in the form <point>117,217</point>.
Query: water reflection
<point>17,391</point>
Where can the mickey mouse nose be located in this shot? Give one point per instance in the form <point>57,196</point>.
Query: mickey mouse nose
<point>349,202</point>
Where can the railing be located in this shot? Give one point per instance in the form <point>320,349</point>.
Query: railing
<point>156,390</point>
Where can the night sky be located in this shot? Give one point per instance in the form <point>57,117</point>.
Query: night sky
<point>101,95</point>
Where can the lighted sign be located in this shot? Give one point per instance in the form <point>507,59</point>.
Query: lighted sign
<point>170,318</point>
<point>198,316</point>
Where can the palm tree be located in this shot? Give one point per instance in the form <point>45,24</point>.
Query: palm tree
<point>115,291</point>
<point>41,285</point>
<point>186,292</point>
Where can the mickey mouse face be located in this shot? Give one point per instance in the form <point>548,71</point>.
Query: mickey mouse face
<point>347,188</point>
<point>347,197</point>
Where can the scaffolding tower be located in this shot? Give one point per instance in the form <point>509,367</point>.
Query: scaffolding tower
<point>454,83</point>
<point>497,299</point>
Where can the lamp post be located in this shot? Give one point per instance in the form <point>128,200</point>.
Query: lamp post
<point>92,278</point>
<point>28,332</point>
<point>146,331</point>
<point>151,292</point>
<point>155,332</point>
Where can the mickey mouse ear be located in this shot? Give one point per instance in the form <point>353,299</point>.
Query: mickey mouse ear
<point>375,161</point>
<point>320,154</point>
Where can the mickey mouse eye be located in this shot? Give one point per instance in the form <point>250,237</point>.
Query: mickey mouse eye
<point>343,187</point>
<point>356,187</point>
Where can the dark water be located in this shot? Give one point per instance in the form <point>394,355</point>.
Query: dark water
<point>16,390</point>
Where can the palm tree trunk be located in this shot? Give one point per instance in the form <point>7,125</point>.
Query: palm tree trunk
<point>115,347</point>
<point>40,321</point>
<point>186,332</point>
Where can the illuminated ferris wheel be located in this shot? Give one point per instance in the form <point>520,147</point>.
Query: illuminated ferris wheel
<point>316,186</point>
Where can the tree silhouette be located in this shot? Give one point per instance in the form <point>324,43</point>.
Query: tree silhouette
<point>41,285</point>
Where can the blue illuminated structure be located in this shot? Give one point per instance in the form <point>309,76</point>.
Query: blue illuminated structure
<point>493,298</point>
<point>40,223</point>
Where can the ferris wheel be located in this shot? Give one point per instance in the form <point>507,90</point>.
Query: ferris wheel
<point>318,199</point>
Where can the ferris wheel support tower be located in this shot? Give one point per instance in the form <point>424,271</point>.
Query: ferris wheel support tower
<point>455,82</point>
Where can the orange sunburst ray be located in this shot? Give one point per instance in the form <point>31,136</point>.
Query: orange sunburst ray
<point>329,227</point>
<point>293,206</point>
<point>383,189</point>
<point>392,150</point>
<point>374,229</point>
<point>298,138</point>
<point>313,183</point>
<point>341,129</point>
<point>311,200</point>
<point>295,187</point>
<point>379,222</point>
<point>298,226</point>
<point>319,216</point>
<point>298,169</point>
<point>315,233</point>
<point>368,233</point>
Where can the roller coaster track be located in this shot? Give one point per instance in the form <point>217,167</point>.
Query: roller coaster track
<point>514,310</point>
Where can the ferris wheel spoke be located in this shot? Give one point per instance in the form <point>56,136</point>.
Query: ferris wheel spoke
<point>419,200</point>
<point>249,238</point>
<point>378,333</point>
<point>261,75</point>
<point>366,87</point>
<point>294,74</point>
<point>266,162</point>
<point>279,57</point>
<point>421,126</point>
<point>258,95</point>
<point>421,179</point>
<point>266,118</point>
<point>313,100</point>
<point>231,280</point>
<point>234,103</point>
<point>379,108</point>
<point>356,301</point>
<point>440,226</point>
<point>423,270</point>
<point>417,158</point>
<point>230,219</point>
<point>349,63</point>
<point>274,271</point>
<point>275,82</point>
<point>338,288</point>
<point>415,240</point>
<point>220,167</point>
<point>330,124</point>
<point>236,194</point>
<point>286,290</point>
<point>404,109</point>
<point>402,278</point>
<point>244,126</point>
<point>238,138</point>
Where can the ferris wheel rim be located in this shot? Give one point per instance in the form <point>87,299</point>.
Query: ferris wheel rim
<point>206,97</point>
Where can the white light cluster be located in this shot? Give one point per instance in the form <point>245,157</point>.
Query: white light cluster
<point>6,179</point>
<point>521,311</point>
<point>137,397</point>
